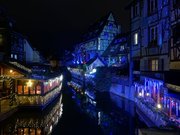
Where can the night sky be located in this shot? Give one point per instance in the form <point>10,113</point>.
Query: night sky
<point>55,25</point>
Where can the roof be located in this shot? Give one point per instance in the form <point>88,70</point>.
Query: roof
<point>95,30</point>
<point>114,47</point>
<point>93,59</point>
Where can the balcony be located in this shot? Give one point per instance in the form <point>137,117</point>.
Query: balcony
<point>152,49</point>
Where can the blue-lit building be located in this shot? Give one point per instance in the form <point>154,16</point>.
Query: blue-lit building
<point>117,53</point>
<point>155,52</point>
<point>96,40</point>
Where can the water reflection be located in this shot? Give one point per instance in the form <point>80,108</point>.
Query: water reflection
<point>113,114</point>
<point>33,122</point>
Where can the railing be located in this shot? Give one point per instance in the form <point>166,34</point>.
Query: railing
<point>154,50</point>
<point>6,105</point>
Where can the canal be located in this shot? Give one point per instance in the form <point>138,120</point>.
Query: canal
<point>71,113</point>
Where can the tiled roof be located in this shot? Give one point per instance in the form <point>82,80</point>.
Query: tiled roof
<point>95,30</point>
<point>114,48</point>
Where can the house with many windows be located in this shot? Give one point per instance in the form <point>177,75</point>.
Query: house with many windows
<point>155,52</point>
<point>117,53</point>
<point>97,39</point>
<point>24,79</point>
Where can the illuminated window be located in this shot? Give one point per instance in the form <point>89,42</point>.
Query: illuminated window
<point>32,131</point>
<point>26,131</point>
<point>26,90</point>
<point>38,89</point>
<point>154,65</point>
<point>32,90</point>
<point>38,132</point>
<point>15,56</point>
<point>12,55</point>
<point>20,91</point>
<point>135,38</point>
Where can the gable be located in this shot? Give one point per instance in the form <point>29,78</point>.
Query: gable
<point>97,63</point>
<point>111,18</point>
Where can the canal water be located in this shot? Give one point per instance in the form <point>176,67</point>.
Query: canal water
<point>72,113</point>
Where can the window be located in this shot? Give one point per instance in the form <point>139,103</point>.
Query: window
<point>15,56</point>
<point>135,38</point>
<point>26,90</point>
<point>153,36</point>
<point>20,91</point>
<point>154,65</point>
<point>122,48</point>
<point>12,55</point>
<point>32,91</point>
<point>135,10</point>
<point>152,6</point>
<point>38,89</point>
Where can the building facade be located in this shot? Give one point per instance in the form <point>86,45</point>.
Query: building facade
<point>117,53</point>
<point>155,52</point>
<point>96,40</point>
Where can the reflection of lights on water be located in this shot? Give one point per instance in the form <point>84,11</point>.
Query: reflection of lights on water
<point>99,118</point>
<point>159,106</point>
<point>50,129</point>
